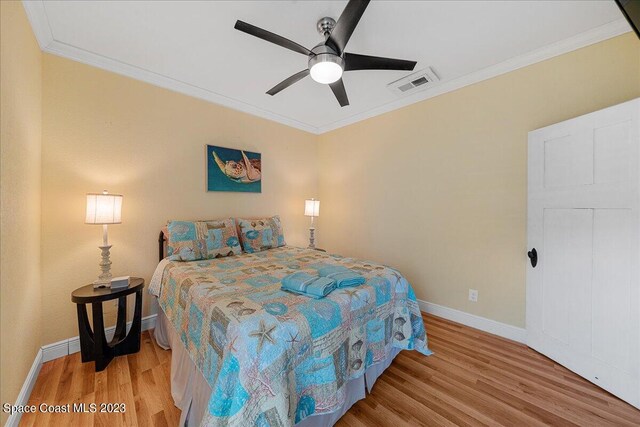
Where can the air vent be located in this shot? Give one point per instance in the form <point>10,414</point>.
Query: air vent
<point>414,82</point>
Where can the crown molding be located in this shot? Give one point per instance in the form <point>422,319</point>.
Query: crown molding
<point>595,35</point>
<point>37,16</point>
<point>156,79</point>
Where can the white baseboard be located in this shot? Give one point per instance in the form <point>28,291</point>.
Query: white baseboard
<point>25,391</point>
<point>482,323</point>
<point>60,349</point>
<point>72,345</point>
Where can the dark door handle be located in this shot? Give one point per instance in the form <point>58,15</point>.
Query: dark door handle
<point>533,256</point>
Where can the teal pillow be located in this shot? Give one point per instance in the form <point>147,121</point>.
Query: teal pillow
<point>196,240</point>
<point>260,234</point>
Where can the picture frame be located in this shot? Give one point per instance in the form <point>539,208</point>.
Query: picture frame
<point>230,169</point>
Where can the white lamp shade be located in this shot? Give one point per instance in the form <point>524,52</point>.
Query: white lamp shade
<point>104,209</point>
<point>312,207</point>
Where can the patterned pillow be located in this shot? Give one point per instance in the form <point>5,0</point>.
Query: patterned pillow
<point>260,234</point>
<point>194,240</point>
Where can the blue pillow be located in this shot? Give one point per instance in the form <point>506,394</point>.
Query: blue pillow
<point>260,234</point>
<point>196,240</point>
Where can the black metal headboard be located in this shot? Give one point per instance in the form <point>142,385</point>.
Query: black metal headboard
<point>161,241</point>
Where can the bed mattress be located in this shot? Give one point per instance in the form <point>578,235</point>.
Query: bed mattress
<point>274,358</point>
<point>191,392</point>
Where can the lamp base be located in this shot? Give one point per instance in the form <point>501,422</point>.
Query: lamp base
<point>104,280</point>
<point>312,240</point>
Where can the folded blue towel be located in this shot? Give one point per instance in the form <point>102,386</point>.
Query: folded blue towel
<point>306,284</point>
<point>344,277</point>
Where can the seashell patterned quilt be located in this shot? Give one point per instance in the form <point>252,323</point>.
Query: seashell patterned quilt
<point>272,357</point>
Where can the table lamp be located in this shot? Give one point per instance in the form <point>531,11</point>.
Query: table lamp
<point>104,209</point>
<point>312,209</point>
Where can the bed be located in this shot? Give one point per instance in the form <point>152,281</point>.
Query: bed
<point>244,352</point>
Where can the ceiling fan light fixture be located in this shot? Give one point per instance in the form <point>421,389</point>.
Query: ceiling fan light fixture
<point>328,59</point>
<point>326,68</point>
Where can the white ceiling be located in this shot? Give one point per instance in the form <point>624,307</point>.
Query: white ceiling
<point>193,48</point>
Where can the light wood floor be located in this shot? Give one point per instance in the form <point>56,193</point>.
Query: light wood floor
<point>474,378</point>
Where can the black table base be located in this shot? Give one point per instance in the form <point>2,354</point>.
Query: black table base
<point>94,345</point>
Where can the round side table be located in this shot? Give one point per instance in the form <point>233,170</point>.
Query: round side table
<point>93,344</point>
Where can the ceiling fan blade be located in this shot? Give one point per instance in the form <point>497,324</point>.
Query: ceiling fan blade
<point>340,93</point>
<point>347,22</point>
<point>288,82</point>
<point>271,37</point>
<point>353,61</point>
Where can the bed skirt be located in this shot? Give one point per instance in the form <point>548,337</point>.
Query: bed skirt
<point>191,392</point>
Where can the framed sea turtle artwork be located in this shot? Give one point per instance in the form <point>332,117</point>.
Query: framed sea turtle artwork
<point>229,169</point>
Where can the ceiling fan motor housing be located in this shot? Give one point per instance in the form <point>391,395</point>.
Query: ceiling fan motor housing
<point>325,25</point>
<point>323,53</point>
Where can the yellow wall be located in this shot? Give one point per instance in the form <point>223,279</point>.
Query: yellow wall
<point>20,144</point>
<point>438,189</point>
<point>105,131</point>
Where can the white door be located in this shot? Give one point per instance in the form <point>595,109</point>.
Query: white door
<point>583,297</point>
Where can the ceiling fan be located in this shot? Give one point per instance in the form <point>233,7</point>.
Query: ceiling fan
<point>328,60</point>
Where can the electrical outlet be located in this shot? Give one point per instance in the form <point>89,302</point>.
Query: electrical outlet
<point>473,295</point>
